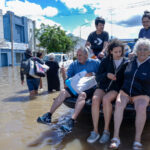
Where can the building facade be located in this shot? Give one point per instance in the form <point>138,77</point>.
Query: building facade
<point>16,35</point>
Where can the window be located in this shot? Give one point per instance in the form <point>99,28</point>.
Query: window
<point>58,58</point>
<point>19,34</point>
<point>19,57</point>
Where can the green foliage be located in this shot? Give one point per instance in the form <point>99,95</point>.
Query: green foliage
<point>54,39</point>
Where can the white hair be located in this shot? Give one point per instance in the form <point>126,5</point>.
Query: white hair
<point>51,56</point>
<point>84,50</point>
<point>141,41</point>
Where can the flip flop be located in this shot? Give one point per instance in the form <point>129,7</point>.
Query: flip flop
<point>115,142</point>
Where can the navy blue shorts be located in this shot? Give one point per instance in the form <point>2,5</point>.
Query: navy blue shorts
<point>33,84</point>
<point>89,93</point>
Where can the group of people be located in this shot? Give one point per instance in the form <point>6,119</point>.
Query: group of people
<point>32,82</point>
<point>35,84</point>
<point>118,79</point>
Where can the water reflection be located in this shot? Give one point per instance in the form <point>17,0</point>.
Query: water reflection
<point>20,131</point>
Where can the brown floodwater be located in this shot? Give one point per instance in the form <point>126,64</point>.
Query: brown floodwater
<point>20,131</point>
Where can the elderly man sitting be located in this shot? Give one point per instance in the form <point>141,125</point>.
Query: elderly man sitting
<point>82,63</point>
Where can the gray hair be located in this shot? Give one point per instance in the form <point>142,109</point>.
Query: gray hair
<point>51,56</point>
<point>84,50</point>
<point>141,41</point>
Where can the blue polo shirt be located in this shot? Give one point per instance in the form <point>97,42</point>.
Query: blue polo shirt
<point>91,65</point>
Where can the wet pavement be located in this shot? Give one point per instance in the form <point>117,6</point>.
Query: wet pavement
<point>20,131</point>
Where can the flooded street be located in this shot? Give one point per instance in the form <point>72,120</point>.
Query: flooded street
<point>20,131</point>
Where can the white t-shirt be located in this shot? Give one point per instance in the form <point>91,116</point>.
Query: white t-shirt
<point>118,62</point>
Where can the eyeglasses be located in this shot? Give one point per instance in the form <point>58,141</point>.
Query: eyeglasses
<point>143,49</point>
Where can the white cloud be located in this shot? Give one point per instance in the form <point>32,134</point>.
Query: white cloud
<point>50,11</point>
<point>122,32</point>
<point>84,30</point>
<point>121,10</point>
<point>113,30</point>
<point>115,12</point>
<point>31,10</point>
<point>80,4</point>
<point>2,4</point>
<point>24,8</point>
<point>42,19</point>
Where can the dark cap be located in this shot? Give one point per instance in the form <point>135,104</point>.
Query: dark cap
<point>28,52</point>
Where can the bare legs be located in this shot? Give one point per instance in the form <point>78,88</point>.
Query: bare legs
<point>62,96</point>
<point>59,100</point>
<point>98,96</point>
<point>79,105</point>
<point>33,93</point>
<point>96,100</point>
<point>140,104</point>
<point>107,107</point>
<point>121,102</point>
<point>41,83</point>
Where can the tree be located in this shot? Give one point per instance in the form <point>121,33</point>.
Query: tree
<point>54,39</point>
<point>75,40</point>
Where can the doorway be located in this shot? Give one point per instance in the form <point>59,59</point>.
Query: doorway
<point>4,59</point>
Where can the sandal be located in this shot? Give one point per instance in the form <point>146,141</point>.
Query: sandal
<point>115,142</point>
<point>137,146</point>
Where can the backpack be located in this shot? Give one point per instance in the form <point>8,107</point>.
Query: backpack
<point>25,66</point>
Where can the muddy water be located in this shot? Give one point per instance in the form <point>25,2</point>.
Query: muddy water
<point>20,131</point>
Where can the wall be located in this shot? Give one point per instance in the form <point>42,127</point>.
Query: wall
<point>6,24</point>
<point>19,28</point>
<point>22,34</point>
<point>1,27</point>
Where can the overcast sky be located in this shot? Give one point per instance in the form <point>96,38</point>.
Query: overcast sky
<point>123,17</point>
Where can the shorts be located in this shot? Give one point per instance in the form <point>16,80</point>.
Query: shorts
<point>89,92</point>
<point>133,98</point>
<point>33,84</point>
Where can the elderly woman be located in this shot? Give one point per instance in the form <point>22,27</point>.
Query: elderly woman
<point>53,81</point>
<point>136,89</point>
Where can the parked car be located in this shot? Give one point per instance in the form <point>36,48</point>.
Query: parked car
<point>62,59</point>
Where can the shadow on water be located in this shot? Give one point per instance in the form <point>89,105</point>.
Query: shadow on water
<point>18,99</point>
<point>46,93</point>
<point>22,92</point>
<point>23,98</point>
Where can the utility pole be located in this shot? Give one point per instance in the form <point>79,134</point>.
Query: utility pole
<point>12,40</point>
